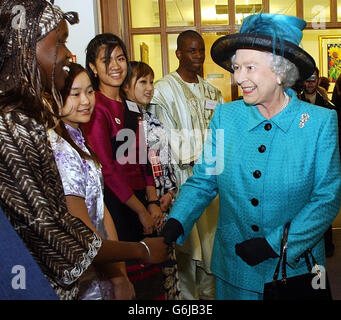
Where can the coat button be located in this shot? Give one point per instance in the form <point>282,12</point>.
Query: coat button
<point>268,127</point>
<point>257,174</point>
<point>255,228</point>
<point>262,149</point>
<point>254,202</point>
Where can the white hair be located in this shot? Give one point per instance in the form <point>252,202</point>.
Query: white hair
<point>285,69</point>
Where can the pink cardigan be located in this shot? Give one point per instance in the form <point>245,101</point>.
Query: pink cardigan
<point>106,121</point>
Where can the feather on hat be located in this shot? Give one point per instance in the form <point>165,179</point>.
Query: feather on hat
<point>276,33</point>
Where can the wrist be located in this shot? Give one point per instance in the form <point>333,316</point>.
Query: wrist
<point>155,202</point>
<point>170,196</point>
<point>142,212</point>
<point>172,230</point>
<point>119,279</point>
<point>146,252</point>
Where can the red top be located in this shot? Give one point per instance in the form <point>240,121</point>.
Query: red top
<point>106,122</point>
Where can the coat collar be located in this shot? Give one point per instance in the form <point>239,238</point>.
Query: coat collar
<point>283,120</point>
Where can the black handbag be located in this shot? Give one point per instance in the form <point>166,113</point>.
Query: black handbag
<point>313,285</point>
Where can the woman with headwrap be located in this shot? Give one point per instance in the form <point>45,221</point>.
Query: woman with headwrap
<point>33,63</point>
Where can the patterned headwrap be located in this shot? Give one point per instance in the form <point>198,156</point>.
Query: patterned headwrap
<point>23,23</point>
<point>31,192</point>
<point>20,20</point>
<point>51,17</point>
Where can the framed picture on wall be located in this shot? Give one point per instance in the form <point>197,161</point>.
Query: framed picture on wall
<point>144,52</point>
<point>330,58</point>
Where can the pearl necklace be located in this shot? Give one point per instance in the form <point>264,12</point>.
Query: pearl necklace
<point>286,102</point>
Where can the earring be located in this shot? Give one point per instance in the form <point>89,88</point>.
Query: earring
<point>279,81</point>
<point>95,74</point>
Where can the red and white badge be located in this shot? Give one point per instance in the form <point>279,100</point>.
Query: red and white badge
<point>154,160</point>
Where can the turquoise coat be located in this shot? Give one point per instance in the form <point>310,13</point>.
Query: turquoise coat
<point>267,172</point>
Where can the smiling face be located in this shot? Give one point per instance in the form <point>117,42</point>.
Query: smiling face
<point>52,57</point>
<point>254,76</point>
<point>310,86</point>
<point>141,90</point>
<point>191,55</point>
<point>80,102</point>
<point>114,75</point>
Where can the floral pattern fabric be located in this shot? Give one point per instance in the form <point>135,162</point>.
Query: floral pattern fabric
<point>81,178</point>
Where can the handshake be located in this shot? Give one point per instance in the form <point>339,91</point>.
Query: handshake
<point>156,250</point>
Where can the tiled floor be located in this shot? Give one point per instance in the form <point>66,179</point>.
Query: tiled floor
<point>333,265</point>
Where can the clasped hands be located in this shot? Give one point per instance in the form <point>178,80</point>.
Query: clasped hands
<point>159,246</point>
<point>255,251</point>
<point>155,250</point>
<point>252,251</point>
<point>151,219</point>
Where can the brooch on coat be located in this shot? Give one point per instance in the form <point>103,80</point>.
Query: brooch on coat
<point>304,119</point>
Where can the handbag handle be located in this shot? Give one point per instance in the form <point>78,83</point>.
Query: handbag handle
<point>283,254</point>
<point>283,257</point>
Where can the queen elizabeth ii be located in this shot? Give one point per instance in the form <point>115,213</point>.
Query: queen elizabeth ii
<point>280,162</point>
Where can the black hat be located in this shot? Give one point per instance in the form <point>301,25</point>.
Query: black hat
<point>276,33</point>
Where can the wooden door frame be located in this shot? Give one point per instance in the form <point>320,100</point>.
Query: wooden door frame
<point>111,19</point>
<point>116,18</point>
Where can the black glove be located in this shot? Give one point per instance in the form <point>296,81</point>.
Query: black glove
<point>171,231</point>
<point>255,251</point>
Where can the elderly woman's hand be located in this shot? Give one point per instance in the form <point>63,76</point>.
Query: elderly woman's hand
<point>255,251</point>
<point>171,230</point>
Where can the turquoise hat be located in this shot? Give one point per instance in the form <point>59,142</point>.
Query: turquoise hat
<point>276,33</point>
